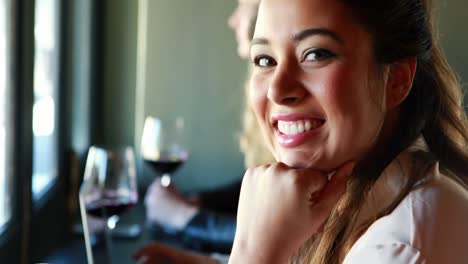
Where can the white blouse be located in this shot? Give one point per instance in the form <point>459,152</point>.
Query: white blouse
<point>430,225</point>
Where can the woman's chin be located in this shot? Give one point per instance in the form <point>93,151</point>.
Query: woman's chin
<point>302,163</point>
<point>299,164</point>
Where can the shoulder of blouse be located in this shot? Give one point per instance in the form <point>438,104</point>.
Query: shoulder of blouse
<point>428,226</point>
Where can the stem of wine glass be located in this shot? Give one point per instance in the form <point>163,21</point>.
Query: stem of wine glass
<point>107,231</point>
<point>112,221</point>
<point>166,180</point>
<point>84,220</point>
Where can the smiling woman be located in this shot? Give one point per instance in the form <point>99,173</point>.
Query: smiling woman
<point>364,116</point>
<point>322,75</point>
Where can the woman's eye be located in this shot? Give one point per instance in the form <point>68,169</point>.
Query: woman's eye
<point>264,61</point>
<point>318,55</point>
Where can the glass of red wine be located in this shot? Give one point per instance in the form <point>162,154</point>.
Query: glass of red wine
<point>109,187</point>
<point>162,146</point>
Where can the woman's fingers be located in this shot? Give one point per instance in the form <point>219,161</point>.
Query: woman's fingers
<point>143,251</point>
<point>277,196</point>
<point>334,189</point>
<point>160,253</point>
<point>312,181</point>
<point>155,252</point>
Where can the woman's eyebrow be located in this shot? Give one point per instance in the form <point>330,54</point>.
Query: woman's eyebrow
<point>258,41</point>
<point>303,35</point>
<point>317,31</point>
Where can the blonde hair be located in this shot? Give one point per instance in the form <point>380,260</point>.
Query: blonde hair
<point>252,142</point>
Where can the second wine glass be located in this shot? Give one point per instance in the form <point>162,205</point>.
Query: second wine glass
<point>162,146</point>
<point>109,188</point>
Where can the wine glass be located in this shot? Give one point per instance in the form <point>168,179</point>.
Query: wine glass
<point>109,188</point>
<point>162,146</point>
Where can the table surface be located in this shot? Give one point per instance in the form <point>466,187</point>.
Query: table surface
<point>74,251</point>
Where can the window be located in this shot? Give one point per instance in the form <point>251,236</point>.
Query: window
<point>46,61</point>
<point>30,196</point>
<point>5,115</point>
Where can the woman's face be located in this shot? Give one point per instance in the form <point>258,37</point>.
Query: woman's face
<point>240,21</point>
<point>315,87</point>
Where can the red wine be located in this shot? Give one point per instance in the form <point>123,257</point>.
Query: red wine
<point>165,165</point>
<point>112,207</point>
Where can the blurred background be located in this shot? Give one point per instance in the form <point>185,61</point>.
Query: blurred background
<point>79,73</point>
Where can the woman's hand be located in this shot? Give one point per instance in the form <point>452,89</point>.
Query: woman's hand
<point>159,253</point>
<point>280,208</point>
<point>167,207</point>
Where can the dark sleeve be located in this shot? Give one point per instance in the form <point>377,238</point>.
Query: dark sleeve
<point>223,200</point>
<point>209,231</point>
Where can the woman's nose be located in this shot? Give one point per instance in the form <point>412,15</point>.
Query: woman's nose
<point>285,87</point>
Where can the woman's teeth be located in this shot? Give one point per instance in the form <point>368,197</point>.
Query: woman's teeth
<point>296,127</point>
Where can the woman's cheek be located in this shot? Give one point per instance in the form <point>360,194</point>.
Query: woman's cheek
<point>258,100</point>
<point>257,95</point>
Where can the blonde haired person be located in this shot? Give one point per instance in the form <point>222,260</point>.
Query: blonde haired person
<point>252,143</point>
<point>364,117</point>
<point>209,220</point>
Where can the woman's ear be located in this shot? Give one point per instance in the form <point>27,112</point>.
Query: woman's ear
<point>400,81</point>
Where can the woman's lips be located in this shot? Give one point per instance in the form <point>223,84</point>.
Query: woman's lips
<point>292,132</point>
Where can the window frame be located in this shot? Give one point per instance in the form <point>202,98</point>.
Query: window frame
<point>31,220</point>
<point>52,204</point>
<point>9,161</point>
<point>21,51</point>
<point>47,193</point>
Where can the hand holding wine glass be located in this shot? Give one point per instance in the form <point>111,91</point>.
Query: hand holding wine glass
<point>162,146</point>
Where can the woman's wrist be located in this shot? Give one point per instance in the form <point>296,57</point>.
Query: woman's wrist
<point>254,259</point>
<point>241,253</point>
<point>185,214</point>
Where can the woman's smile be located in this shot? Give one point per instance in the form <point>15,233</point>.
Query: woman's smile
<point>294,129</point>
